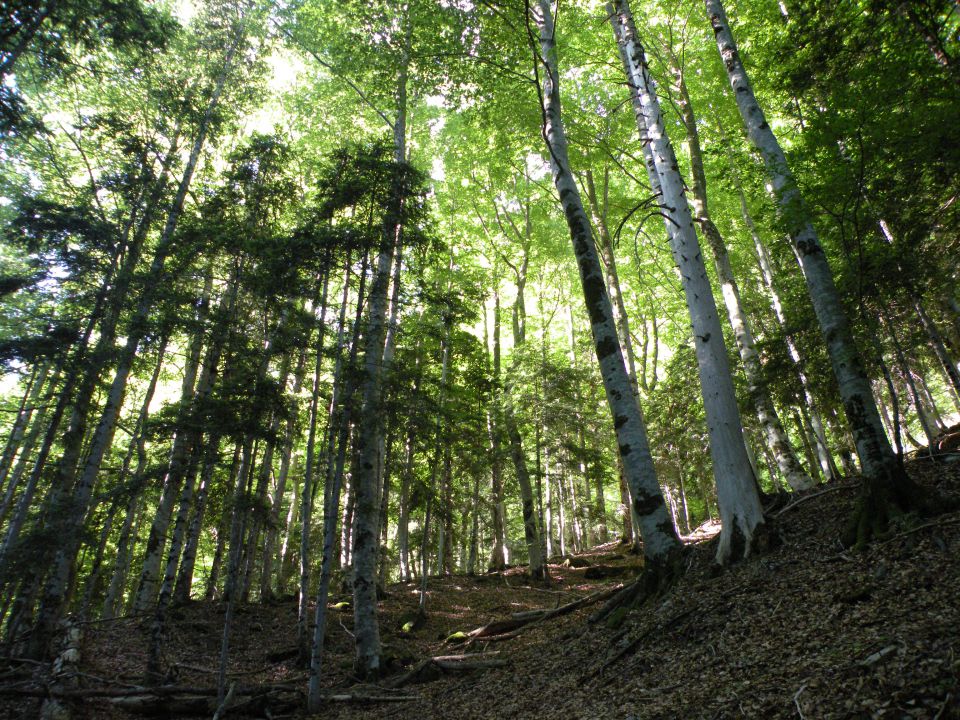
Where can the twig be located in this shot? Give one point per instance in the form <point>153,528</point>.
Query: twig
<point>22,660</point>
<point>918,528</point>
<point>226,702</point>
<point>802,500</point>
<point>345,629</point>
<point>796,700</point>
<point>100,621</point>
<point>946,701</point>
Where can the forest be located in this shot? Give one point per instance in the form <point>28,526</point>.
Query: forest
<point>343,340</point>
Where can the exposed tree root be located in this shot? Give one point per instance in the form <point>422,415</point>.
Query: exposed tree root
<point>631,645</point>
<point>654,580</point>
<point>885,501</point>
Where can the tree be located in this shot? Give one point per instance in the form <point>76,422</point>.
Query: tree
<point>660,541</point>
<point>739,501</point>
<point>885,483</point>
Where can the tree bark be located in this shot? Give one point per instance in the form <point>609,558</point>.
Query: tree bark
<point>776,436</point>
<point>659,538</point>
<point>737,497</point>
<point>884,478</point>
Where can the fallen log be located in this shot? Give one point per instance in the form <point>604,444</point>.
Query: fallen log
<point>433,668</point>
<point>465,656</point>
<point>513,626</point>
<point>599,572</point>
<point>371,698</point>
<point>160,691</point>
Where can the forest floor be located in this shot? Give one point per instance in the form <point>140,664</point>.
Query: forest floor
<point>807,630</point>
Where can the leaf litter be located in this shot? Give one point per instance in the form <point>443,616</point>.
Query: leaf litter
<point>807,630</point>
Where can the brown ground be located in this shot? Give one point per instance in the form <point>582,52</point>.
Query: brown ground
<point>806,631</point>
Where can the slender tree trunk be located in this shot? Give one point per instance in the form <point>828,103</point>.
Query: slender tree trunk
<point>884,478</point>
<point>531,531</point>
<point>286,455</point>
<point>238,516</point>
<point>822,457</point>
<point>54,594</point>
<point>306,495</point>
<point>659,538</point>
<point>497,557</point>
<point>908,377</point>
<point>126,542</point>
<point>548,520</point>
<point>386,477</point>
<point>931,404</point>
<point>212,591</point>
<point>939,349</point>
<point>346,368</point>
<point>776,436</point>
<point>184,583</point>
<point>474,511</point>
<point>598,211</point>
<point>25,452</point>
<point>403,520</point>
<point>737,497</point>
<point>31,397</point>
<point>192,393</point>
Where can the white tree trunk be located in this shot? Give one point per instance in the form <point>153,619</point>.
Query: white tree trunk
<point>776,436</point>
<point>740,511</point>
<point>876,456</point>
<point>660,540</point>
<point>821,452</point>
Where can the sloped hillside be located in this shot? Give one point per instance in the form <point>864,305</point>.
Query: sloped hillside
<point>809,630</point>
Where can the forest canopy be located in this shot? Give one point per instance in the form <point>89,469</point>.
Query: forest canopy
<point>313,293</point>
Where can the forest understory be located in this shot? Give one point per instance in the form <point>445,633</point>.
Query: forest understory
<point>302,299</point>
<point>806,630</point>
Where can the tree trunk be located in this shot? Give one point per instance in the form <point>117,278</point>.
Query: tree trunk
<point>497,558</point>
<point>369,431</point>
<point>776,436</point>
<point>238,516</point>
<point>660,539</point>
<point>181,591</point>
<point>31,396</point>
<point>822,457</point>
<point>740,510</point>
<point>939,349</point>
<point>192,393</point>
<point>54,594</point>
<point>306,495</point>
<point>286,457</point>
<point>884,479</point>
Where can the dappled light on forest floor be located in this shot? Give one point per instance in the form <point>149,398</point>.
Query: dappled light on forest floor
<point>807,628</point>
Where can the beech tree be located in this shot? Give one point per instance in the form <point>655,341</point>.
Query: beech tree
<point>885,481</point>
<point>289,304</point>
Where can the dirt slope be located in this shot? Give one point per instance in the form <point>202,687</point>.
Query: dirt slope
<point>806,631</point>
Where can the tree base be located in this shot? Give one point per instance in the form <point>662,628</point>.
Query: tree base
<point>655,579</point>
<point>886,501</point>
